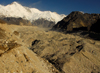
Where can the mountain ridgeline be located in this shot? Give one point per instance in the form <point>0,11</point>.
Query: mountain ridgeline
<point>76,21</point>
<point>18,11</point>
<point>15,13</point>
<point>20,21</point>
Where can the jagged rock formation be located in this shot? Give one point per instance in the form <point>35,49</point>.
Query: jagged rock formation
<point>16,21</point>
<point>76,21</point>
<point>43,23</point>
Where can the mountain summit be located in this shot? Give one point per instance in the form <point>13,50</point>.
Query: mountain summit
<point>17,10</point>
<point>15,3</point>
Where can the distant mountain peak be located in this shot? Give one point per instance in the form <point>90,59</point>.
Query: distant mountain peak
<point>16,10</point>
<point>16,3</point>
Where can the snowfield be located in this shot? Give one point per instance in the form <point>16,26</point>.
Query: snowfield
<point>17,10</point>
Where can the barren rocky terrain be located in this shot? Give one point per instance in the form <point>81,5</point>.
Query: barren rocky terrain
<point>30,49</point>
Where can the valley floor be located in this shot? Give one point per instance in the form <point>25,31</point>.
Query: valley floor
<point>40,50</point>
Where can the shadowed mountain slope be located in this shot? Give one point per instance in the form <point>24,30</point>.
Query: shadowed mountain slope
<point>20,21</point>
<point>76,21</point>
<point>43,23</point>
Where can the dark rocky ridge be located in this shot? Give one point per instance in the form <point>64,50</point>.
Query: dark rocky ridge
<point>17,21</point>
<point>43,23</point>
<point>20,21</point>
<point>76,21</point>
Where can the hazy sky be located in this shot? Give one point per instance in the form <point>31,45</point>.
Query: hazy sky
<point>60,6</point>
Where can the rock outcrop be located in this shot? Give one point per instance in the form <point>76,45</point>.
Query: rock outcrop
<point>76,21</point>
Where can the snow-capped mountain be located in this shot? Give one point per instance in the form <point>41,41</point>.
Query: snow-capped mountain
<point>17,10</point>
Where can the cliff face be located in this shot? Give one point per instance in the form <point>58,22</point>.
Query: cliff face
<point>79,21</point>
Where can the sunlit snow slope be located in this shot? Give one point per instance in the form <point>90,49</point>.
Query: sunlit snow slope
<point>17,10</point>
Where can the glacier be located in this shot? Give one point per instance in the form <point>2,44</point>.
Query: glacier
<point>17,10</point>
